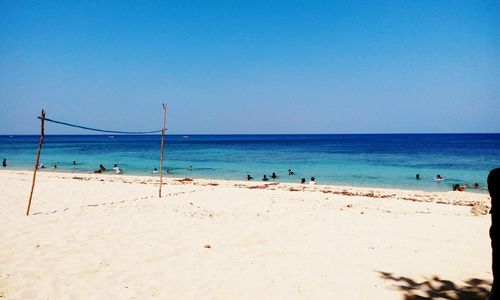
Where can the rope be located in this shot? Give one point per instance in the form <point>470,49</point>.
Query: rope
<point>100,130</point>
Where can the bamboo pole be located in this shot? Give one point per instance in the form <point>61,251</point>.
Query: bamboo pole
<point>42,134</point>
<point>162,144</point>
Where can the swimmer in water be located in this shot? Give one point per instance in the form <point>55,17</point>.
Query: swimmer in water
<point>290,172</point>
<point>274,176</point>
<point>249,177</point>
<point>265,178</point>
<point>117,169</point>
<point>101,169</point>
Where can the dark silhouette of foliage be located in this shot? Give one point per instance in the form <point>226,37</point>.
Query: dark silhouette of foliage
<point>437,288</point>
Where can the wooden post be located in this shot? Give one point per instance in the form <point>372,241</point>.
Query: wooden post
<point>42,134</point>
<point>162,143</point>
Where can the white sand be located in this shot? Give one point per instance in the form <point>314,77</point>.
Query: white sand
<point>111,237</point>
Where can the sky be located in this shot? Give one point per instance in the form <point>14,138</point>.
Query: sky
<point>248,67</point>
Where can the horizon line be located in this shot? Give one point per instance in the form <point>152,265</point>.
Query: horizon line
<point>194,134</point>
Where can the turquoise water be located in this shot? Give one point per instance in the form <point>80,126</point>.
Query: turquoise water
<point>375,160</point>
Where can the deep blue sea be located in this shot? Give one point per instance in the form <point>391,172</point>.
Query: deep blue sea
<point>372,160</point>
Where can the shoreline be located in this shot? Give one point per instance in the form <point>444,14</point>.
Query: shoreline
<point>464,198</point>
<point>110,172</point>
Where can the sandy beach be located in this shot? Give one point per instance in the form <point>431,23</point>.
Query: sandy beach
<point>111,237</point>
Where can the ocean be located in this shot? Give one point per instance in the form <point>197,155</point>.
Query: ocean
<point>369,160</point>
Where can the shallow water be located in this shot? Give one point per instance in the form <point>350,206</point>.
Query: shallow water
<point>377,160</point>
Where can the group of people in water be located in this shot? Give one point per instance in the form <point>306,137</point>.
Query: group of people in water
<point>461,188</point>
<point>456,186</point>
<point>115,168</point>
<point>274,177</point>
<point>42,166</point>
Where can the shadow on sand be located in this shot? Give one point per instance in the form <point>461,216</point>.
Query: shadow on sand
<point>436,288</point>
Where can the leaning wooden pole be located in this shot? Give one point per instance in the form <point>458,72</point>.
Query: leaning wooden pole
<point>162,144</point>
<point>42,134</point>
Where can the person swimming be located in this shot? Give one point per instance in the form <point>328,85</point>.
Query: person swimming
<point>190,168</point>
<point>101,169</point>
<point>74,162</point>
<point>4,163</point>
<point>274,176</point>
<point>417,177</point>
<point>117,169</point>
<point>439,177</point>
<point>303,181</point>
<point>250,177</point>
<point>475,186</point>
<point>265,178</point>
<point>290,172</point>
<point>457,187</point>
<point>55,166</point>
<point>41,166</point>
<point>155,170</point>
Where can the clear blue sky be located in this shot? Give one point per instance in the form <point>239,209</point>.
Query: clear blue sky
<point>252,66</point>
